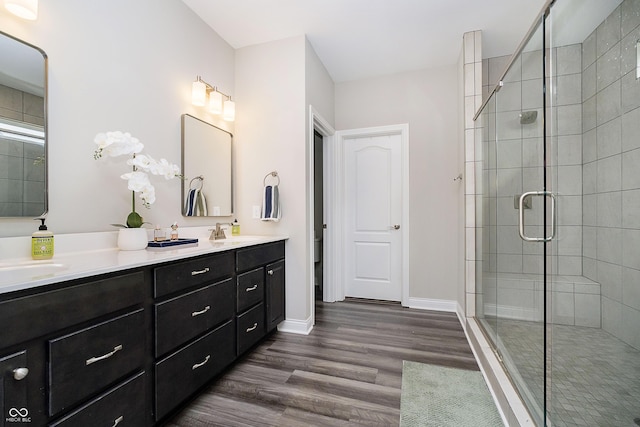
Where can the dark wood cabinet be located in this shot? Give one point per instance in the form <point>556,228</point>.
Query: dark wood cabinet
<point>178,276</point>
<point>120,406</point>
<point>92,358</point>
<point>274,289</point>
<point>13,387</point>
<point>266,267</point>
<point>130,348</point>
<point>249,289</point>
<point>250,328</point>
<point>184,372</point>
<point>188,315</point>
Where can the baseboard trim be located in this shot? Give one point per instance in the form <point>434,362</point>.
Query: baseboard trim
<point>292,326</point>
<point>433,304</point>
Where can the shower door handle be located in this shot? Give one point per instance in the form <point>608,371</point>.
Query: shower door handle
<point>521,216</point>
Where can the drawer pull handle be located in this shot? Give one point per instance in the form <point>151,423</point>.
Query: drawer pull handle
<point>270,272</point>
<point>20,373</point>
<point>105,356</point>
<point>118,420</point>
<point>253,288</point>
<point>204,270</point>
<point>197,365</point>
<point>255,325</point>
<point>198,313</point>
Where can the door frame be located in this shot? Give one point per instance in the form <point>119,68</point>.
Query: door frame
<point>335,189</point>
<point>322,126</point>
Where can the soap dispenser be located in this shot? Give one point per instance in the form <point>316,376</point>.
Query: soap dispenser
<point>42,242</point>
<point>235,228</point>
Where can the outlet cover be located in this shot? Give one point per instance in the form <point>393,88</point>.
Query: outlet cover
<point>256,211</point>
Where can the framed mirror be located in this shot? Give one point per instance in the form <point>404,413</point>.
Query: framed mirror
<point>207,189</point>
<point>23,147</point>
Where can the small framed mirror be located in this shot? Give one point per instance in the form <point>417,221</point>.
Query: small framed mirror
<point>207,189</point>
<point>23,147</point>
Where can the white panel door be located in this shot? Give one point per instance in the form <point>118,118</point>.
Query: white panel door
<point>373,207</point>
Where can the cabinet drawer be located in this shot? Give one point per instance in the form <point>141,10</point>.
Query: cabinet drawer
<point>36,315</point>
<point>253,257</point>
<point>186,274</point>
<point>185,371</point>
<point>187,316</point>
<point>250,289</point>
<point>84,362</point>
<point>250,328</point>
<point>122,406</point>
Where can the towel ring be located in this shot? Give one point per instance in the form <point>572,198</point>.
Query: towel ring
<point>201,182</point>
<point>273,174</point>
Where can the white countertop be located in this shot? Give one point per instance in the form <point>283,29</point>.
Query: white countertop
<point>67,264</point>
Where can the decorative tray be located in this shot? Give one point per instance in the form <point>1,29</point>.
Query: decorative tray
<point>172,243</point>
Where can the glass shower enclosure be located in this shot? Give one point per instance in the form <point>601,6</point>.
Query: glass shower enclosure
<point>558,294</point>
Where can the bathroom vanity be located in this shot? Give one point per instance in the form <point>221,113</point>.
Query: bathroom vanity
<point>130,344</point>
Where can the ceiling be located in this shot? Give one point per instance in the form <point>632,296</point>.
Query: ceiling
<point>356,39</point>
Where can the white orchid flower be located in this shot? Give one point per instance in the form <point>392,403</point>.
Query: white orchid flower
<point>166,169</point>
<point>117,143</point>
<point>139,182</point>
<point>151,165</point>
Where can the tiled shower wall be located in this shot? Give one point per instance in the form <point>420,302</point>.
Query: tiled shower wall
<point>611,169</point>
<point>596,117</point>
<point>472,59</point>
<point>22,168</point>
<point>515,160</point>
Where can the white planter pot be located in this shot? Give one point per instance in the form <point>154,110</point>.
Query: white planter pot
<point>132,239</point>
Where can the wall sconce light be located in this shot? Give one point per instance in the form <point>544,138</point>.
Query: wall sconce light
<point>26,9</point>
<point>199,91</point>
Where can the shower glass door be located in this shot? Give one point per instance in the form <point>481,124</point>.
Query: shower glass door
<point>558,294</point>
<point>521,238</point>
<point>593,342</point>
<point>512,280</point>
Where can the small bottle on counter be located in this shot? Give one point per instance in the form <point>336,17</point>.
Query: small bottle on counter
<point>159,234</point>
<point>174,231</point>
<point>42,242</point>
<point>235,228</point>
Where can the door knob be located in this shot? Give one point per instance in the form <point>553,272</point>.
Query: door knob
<point>20,373</point>
<point>396,227</point>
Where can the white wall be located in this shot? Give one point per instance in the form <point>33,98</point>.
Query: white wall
<point>319,86</point>
<point>275,84</point>
<point>427,100</point>
<point>122,65</point>
<point>270,136</point>
<point>117,65</point>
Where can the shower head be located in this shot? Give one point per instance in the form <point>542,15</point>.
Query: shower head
<point>528,117</point>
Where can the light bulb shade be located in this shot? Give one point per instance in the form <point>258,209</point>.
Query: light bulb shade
<point>198,93</point>
<point>26,9</point>
<point>229,110</point>
<point>215,102</point>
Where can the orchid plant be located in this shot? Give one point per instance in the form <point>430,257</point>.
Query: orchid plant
<point>114,144</point>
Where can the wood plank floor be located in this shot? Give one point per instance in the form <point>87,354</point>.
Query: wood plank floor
<point>348,371</point>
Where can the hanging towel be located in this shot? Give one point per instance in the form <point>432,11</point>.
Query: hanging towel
<point>271,204</point>
<point>196,203</point>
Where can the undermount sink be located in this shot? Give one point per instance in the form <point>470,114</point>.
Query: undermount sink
<point>29,271</point>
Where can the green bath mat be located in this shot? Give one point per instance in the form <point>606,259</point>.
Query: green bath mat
<point>439,396</point>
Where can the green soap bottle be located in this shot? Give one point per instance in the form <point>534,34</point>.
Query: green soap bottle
<point>42,242</point>
<point>235,228</point>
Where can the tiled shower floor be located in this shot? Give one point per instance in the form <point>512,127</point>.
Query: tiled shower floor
<point>595,377</point>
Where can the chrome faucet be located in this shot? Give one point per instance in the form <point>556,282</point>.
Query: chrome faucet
<point>217,233</point>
